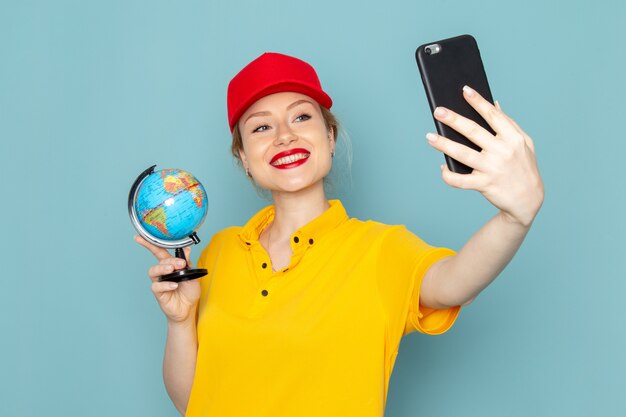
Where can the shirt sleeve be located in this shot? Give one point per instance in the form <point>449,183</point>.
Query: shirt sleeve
<point>403,261</point>
<point>425,319</point>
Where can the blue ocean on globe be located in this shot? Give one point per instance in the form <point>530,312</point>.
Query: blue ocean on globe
<point>171,204</point>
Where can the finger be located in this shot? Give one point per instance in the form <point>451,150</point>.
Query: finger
<point>494,117</point>
<point>159,253</point>
<point>462,181</point>
<point>497,104</point>
<point>177,263</point>
<point>468,128</point>
<point>530,143</point>
<point>158,288</point>
<point>156,271</point>
<point>187,251</point>
<point>527,138</point>
<point>461,153</point>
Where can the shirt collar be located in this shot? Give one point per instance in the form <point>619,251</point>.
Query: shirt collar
<point>307,235</point>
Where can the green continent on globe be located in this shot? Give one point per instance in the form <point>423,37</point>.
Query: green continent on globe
<point>157,218</point>
<point>182,181</point>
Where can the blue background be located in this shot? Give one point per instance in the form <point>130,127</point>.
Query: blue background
<point>92,93</point>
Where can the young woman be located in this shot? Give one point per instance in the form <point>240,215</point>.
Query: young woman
<point>303,308</point>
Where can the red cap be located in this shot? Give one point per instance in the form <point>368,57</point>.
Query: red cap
<point>268,74</point>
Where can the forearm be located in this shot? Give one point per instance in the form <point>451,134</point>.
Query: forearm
<point>179,362</point>
<point>457,280</point>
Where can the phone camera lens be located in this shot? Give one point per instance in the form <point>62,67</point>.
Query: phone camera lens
<point>428,51</point>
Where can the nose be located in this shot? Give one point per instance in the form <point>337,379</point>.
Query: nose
<point>284,135</point>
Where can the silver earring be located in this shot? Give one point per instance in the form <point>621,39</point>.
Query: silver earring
<point>332,154</point>
<point>248,173</point>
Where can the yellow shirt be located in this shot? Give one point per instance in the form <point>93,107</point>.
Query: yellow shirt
<point>318,338</point>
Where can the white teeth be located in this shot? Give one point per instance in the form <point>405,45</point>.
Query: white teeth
<point>290,159</point>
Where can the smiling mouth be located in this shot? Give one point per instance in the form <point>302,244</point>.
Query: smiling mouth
<point>289,160</point>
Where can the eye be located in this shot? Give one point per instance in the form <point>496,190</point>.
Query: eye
<point>302,118</point>
<point>260,128</point>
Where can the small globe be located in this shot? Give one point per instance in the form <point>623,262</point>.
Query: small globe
<point>170,204</point>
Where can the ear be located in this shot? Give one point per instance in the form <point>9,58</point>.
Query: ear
<point>244,160</point>
<point>332,139</point>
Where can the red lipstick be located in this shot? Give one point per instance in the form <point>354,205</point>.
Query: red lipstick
<point>290,158</point>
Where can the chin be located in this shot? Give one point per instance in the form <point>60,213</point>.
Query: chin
<point>296,184</point>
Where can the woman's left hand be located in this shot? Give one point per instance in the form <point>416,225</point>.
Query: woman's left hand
<point>505,171</point>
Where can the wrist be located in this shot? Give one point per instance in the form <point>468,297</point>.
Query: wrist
<point>183,322</point>
<point>520,221</point>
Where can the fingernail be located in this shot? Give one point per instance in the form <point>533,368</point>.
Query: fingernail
<point>440,112</point>
<point>431,137</point>
<point>497,103</point>
<point>441,167</point>
<point>180,262</point>
<point>172,285</point>
<point>468,91</point>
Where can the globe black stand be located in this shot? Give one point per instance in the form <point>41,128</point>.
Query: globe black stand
<point>184,274</point>
<point>193,239</point>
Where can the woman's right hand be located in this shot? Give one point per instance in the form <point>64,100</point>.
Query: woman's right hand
<point>177,300</point>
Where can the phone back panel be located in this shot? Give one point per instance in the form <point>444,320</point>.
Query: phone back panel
<point>444,74</point>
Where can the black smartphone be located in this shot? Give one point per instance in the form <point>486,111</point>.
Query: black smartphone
<point>446,66</point>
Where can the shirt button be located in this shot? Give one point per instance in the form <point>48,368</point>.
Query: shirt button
<point>311,241</point>
<point>264,293</point>
<point>296,239</point>
<point>264,265</point>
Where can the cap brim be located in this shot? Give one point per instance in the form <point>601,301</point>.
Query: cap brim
<point>316,94</point>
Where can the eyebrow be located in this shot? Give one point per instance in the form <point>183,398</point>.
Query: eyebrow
<point>267,113</point>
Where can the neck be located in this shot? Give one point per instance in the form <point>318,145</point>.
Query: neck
<point>294,210</point>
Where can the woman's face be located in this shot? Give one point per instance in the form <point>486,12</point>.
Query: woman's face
<point>286,145</point>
